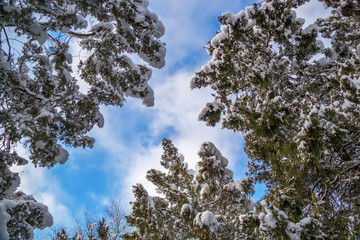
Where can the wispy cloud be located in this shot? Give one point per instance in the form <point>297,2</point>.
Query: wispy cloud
<point>45,187</point>
<point>188,27</point>
<point>174,116</point>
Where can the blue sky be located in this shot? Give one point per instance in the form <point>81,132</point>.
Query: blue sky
<point>129,143</point>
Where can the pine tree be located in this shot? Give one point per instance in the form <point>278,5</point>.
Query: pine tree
<point>40,101</point>
<point>201,204</point>
<point>103,230</point>
<point>300,116</point>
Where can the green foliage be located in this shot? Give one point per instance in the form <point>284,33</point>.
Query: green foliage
<point>204,204</point>
<point>300,117</point>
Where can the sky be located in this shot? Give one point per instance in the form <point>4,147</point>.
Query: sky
<point>129,144</point>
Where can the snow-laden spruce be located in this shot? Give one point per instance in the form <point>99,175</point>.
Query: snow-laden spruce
<point>40,101</point>
<point>300,116</point>
<point>206,204</point>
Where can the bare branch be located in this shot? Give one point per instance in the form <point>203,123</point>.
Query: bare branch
<point>28,92</point>
<point>80,35</point>
<point>269,38</point>
<point>55,40</point>
<point>8,42</point>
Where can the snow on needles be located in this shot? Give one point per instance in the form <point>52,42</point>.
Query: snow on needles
<point>208,219</point>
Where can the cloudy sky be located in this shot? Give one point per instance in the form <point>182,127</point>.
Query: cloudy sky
<point>129,143</point>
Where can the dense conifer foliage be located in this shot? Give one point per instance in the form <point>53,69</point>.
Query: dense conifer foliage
<point>299,114</point>
<point>40,101</point>
<point>201,204</point>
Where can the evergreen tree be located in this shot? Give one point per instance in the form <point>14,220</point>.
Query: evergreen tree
<point>103,230</point>
<point>201,204</point>
<point>40,101</point>
<point>300,116</point>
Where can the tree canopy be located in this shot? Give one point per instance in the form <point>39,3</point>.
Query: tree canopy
<point>297,103</point>
<point>295,98</point>
<point>41,104</point>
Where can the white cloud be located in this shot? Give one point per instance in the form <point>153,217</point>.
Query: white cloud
<point>311,11</point>
<point>45,187</point>
<point>189,24</point>
<point>78,54</point>
<point>176,108</point>
<point>60,212</point>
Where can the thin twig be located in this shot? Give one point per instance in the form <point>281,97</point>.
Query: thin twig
<point>8,42</point>
<point>55,40</point>
<point>28,92</point>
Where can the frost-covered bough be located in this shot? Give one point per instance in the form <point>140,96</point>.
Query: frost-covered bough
<point>300,116</point>
<point>40,101</point>
<point>201,204</point>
